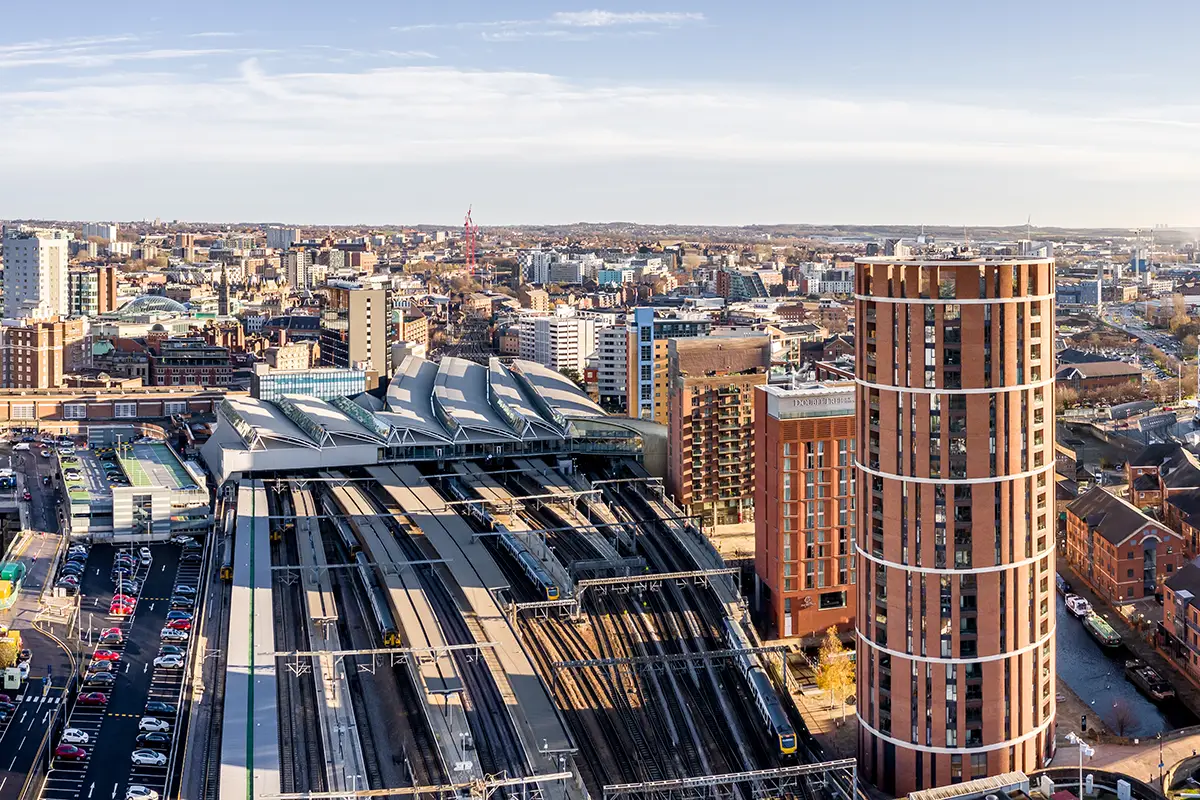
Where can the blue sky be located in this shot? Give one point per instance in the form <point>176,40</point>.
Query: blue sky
<point>962,113</point>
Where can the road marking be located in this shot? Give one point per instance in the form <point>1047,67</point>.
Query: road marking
<point>92,789</point>
<point>22,744</point>
<point>144,667</point>
<point>22,719</point>
<point>114,794</point>
<point>45,719</point>
<point>10,766</point>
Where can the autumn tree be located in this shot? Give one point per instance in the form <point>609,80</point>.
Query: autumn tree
<point>835,668</point>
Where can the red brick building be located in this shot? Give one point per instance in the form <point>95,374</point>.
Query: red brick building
<point>1124,554</point>
<point>804,488</point>
<point>955,436</point>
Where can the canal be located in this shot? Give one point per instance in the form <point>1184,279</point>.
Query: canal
<point>1097,675</point>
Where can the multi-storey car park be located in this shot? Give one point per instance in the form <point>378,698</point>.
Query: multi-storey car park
<point>474,585</point>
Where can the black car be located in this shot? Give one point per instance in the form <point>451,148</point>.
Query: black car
<point>100,679</point>
<point>182,603</point>
<point>192,544</point>
<point>68,586</point>
<point>153,741</point>
<point>158,709</point>
<point>191,558</point>
<point>172,650</point>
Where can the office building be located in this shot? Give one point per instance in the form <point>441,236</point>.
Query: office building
<point>955,437</point>
<point>740,284</point>
<point>560,343</point>
<point>646,359</point>
<point>91,291</point>
<point>299,268</point>
<point>358,330</point>
<point>804,520</point>
<point>325,382</point>
<point>35,274</point>
<point>710,443</point>
<point>533,298</point>
<point>282,238</point>
<point>189,361</point>
<point>100,230</point>
<point>34,354</point>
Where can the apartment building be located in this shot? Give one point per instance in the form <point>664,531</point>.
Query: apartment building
<point>804,495</point>
<point>534,298</point>
<point>35,274</point>
<point>91,291</point>
<point>955,435</point>
<point>189,361</point>
<point>611,367</point>
<point>560,343</point>
<point>646,359</point>
<point>710,443</point>
<point>1122,553</point>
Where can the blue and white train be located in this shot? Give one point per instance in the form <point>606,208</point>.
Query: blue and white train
<point>529,563</point>
<point>765,699</point>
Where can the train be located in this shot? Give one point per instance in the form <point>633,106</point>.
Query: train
<point>389,632</point>
<point>353,546</point>
<point>227,546</point>
<point>766,700</point>
<point>527,561</point>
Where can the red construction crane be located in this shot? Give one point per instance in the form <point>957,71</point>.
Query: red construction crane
<point>469,232</point>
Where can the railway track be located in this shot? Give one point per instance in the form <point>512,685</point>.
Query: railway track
<point>301,760</point>
<point>216,684</point>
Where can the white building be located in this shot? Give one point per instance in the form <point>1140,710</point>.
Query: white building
<point>298,268</point>
<point>558,342</point>
<point>282,238</point>
<point>35,274</point>
<point>102,230</point>
<point>610,369</point>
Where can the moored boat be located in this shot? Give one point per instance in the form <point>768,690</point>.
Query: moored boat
<point>1061,584</point>
<point>1079,606</point>
<point>1101,631</point>
<point>1148,681</point>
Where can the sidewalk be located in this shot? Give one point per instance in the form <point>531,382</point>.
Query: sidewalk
<point>838,737</point>
<point>1187,692</point>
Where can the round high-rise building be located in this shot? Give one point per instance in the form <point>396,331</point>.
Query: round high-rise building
<point>955,504</point>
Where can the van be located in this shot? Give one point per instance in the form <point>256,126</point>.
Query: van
<point>21,446</point>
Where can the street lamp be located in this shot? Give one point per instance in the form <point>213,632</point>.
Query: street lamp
<point>1085,749</point>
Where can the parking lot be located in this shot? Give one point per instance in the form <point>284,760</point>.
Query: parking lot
<point>108,731</point>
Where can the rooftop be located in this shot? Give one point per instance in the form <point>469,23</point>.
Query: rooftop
<point>1114,518</point>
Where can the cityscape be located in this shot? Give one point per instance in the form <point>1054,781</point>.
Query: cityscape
<point>576,403</point>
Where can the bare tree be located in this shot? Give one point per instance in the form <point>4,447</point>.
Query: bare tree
<point>1123,718</point>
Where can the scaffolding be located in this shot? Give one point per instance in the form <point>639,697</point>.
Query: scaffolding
<point>837,778</point>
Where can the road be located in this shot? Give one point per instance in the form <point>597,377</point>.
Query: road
<point>22,740</point>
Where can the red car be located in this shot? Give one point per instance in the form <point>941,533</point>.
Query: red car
<point>106,655</point>
<point>121,609</point>
<point>27,495</point>
<point>124,599</point>
<point>93,699</point>
<point>180,624</point>
<point>70,752</point>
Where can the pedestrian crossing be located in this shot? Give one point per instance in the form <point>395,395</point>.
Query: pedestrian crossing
<point>40,699</point>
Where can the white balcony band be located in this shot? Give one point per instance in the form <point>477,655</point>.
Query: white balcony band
<point>1020,651</point>
<point>946,301</point>
<point>924,748</point>
<point>887,387</point>
<point>1015,476</point>
<point>993,261</point>
<point>1025,562</point>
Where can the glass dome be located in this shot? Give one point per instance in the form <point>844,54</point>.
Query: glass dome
<point>150,304</point>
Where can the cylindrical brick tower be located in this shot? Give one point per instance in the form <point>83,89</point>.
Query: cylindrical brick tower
<point>955,423</point>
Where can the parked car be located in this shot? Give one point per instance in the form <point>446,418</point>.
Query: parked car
<point>179,615</point>
<point>138,792</point>
<point>148,758</point>
<point>179,624</point>
<point>144,555</point>
<point>154,724</point>
<point>158,708</point>
<point>172,635</point>
<point>70,752</point>
<point>172,650</point>
<point>75,736</point>
<point>153,741</point>
<point>111,636</point>
<point>180,538</point>
<point>93,699</point>
<point>169,662</point>
<point>106,655</point>
<point>191,557</point>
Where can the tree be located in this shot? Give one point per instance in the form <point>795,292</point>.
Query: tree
<point>1123,718</point>
<point>835,669</point>
<point>572,374</point>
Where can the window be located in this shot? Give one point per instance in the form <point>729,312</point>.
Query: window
<point>832,600</point>
<point>125,410</point>
<point>22,411</point>
<point>75,411</point>
<point>172,407</point>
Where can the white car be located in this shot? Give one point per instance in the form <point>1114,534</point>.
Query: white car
<point>23,667</point>
<point>153,725</point>
<point>139,792</point>
<point>149,758</point>
<point>169,661</point>
<point>181,539</point>
<point>144,555</point>
<point>75,736</point>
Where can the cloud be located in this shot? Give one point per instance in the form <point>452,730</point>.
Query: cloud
<point>89,58</point>
<point>417,115</point>
<point>563,25</point>
<point>214,35</point>
<point>602,19</point>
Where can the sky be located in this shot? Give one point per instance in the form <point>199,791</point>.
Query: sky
<point>1066,112</point>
